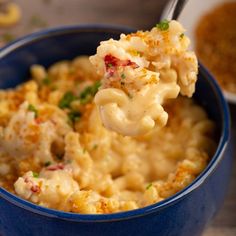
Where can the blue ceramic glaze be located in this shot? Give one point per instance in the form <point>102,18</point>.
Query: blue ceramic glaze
<point>184,214</point>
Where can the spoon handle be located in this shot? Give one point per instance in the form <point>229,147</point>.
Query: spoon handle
<point>178,8</point>
<point>174,9</point>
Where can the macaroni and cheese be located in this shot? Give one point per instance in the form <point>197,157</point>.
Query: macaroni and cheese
<point>140,71</point>
<point>55,151</point>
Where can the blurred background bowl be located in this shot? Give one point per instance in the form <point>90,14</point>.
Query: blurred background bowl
<point>190,17</point>
<point>184,214</point>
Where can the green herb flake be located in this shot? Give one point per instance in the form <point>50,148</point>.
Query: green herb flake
<point>181,35</point>
<point>149,186</point>
<point>48,163</point>
<point>46,81</point>
<point>163,25</point>
<point>35,174</point>
<point>74,116</point>
<point>95,146</point>
<point>123,76</point>
<point>66,100</point>
<point>109,65</point>
<point>33,109</point>
<point>8,37</point>
<point>88,93</point>
<point>86,100</point>
<point>84,150</point>
<point>139,53</point>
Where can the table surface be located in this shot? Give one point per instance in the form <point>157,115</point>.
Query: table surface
<point>40,14</point>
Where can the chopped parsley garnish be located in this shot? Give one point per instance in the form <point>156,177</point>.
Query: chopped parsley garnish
<point>139,53</point>
<point>181,35</point>
<point>33,109</point>
<point>163,25</point>
<point>85,96</point>
<point>95,146</point>
<point>74,116</point>
<point>88,93</point>
<point>66,100</point>
<point>149,186</point>
<point>109,65</point>
<point>35,174</point>
<point>123,76</point>
<point>46,81</point>
<point>85,100</point>
<point>48,163</point>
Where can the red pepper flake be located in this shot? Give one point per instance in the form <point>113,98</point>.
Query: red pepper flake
<point>112,62</point>
<point>39,120</point>
<point>58,166</point>
<point>35,189</point>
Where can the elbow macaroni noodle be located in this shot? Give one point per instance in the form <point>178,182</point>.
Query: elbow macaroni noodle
<point>140,71</point>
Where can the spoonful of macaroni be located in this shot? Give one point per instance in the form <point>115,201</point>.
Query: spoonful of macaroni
<point>140,71</point>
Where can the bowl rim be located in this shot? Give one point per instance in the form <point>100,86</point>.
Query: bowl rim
<point>216,159</point>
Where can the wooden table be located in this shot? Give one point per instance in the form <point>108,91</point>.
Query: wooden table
<point>135,13</point>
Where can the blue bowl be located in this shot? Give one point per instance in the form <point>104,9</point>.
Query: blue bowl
<point>185,213</point>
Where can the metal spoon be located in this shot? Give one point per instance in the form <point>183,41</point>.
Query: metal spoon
<point>173,9</point>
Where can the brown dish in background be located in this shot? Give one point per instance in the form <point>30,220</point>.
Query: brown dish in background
<point>215,44</point>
